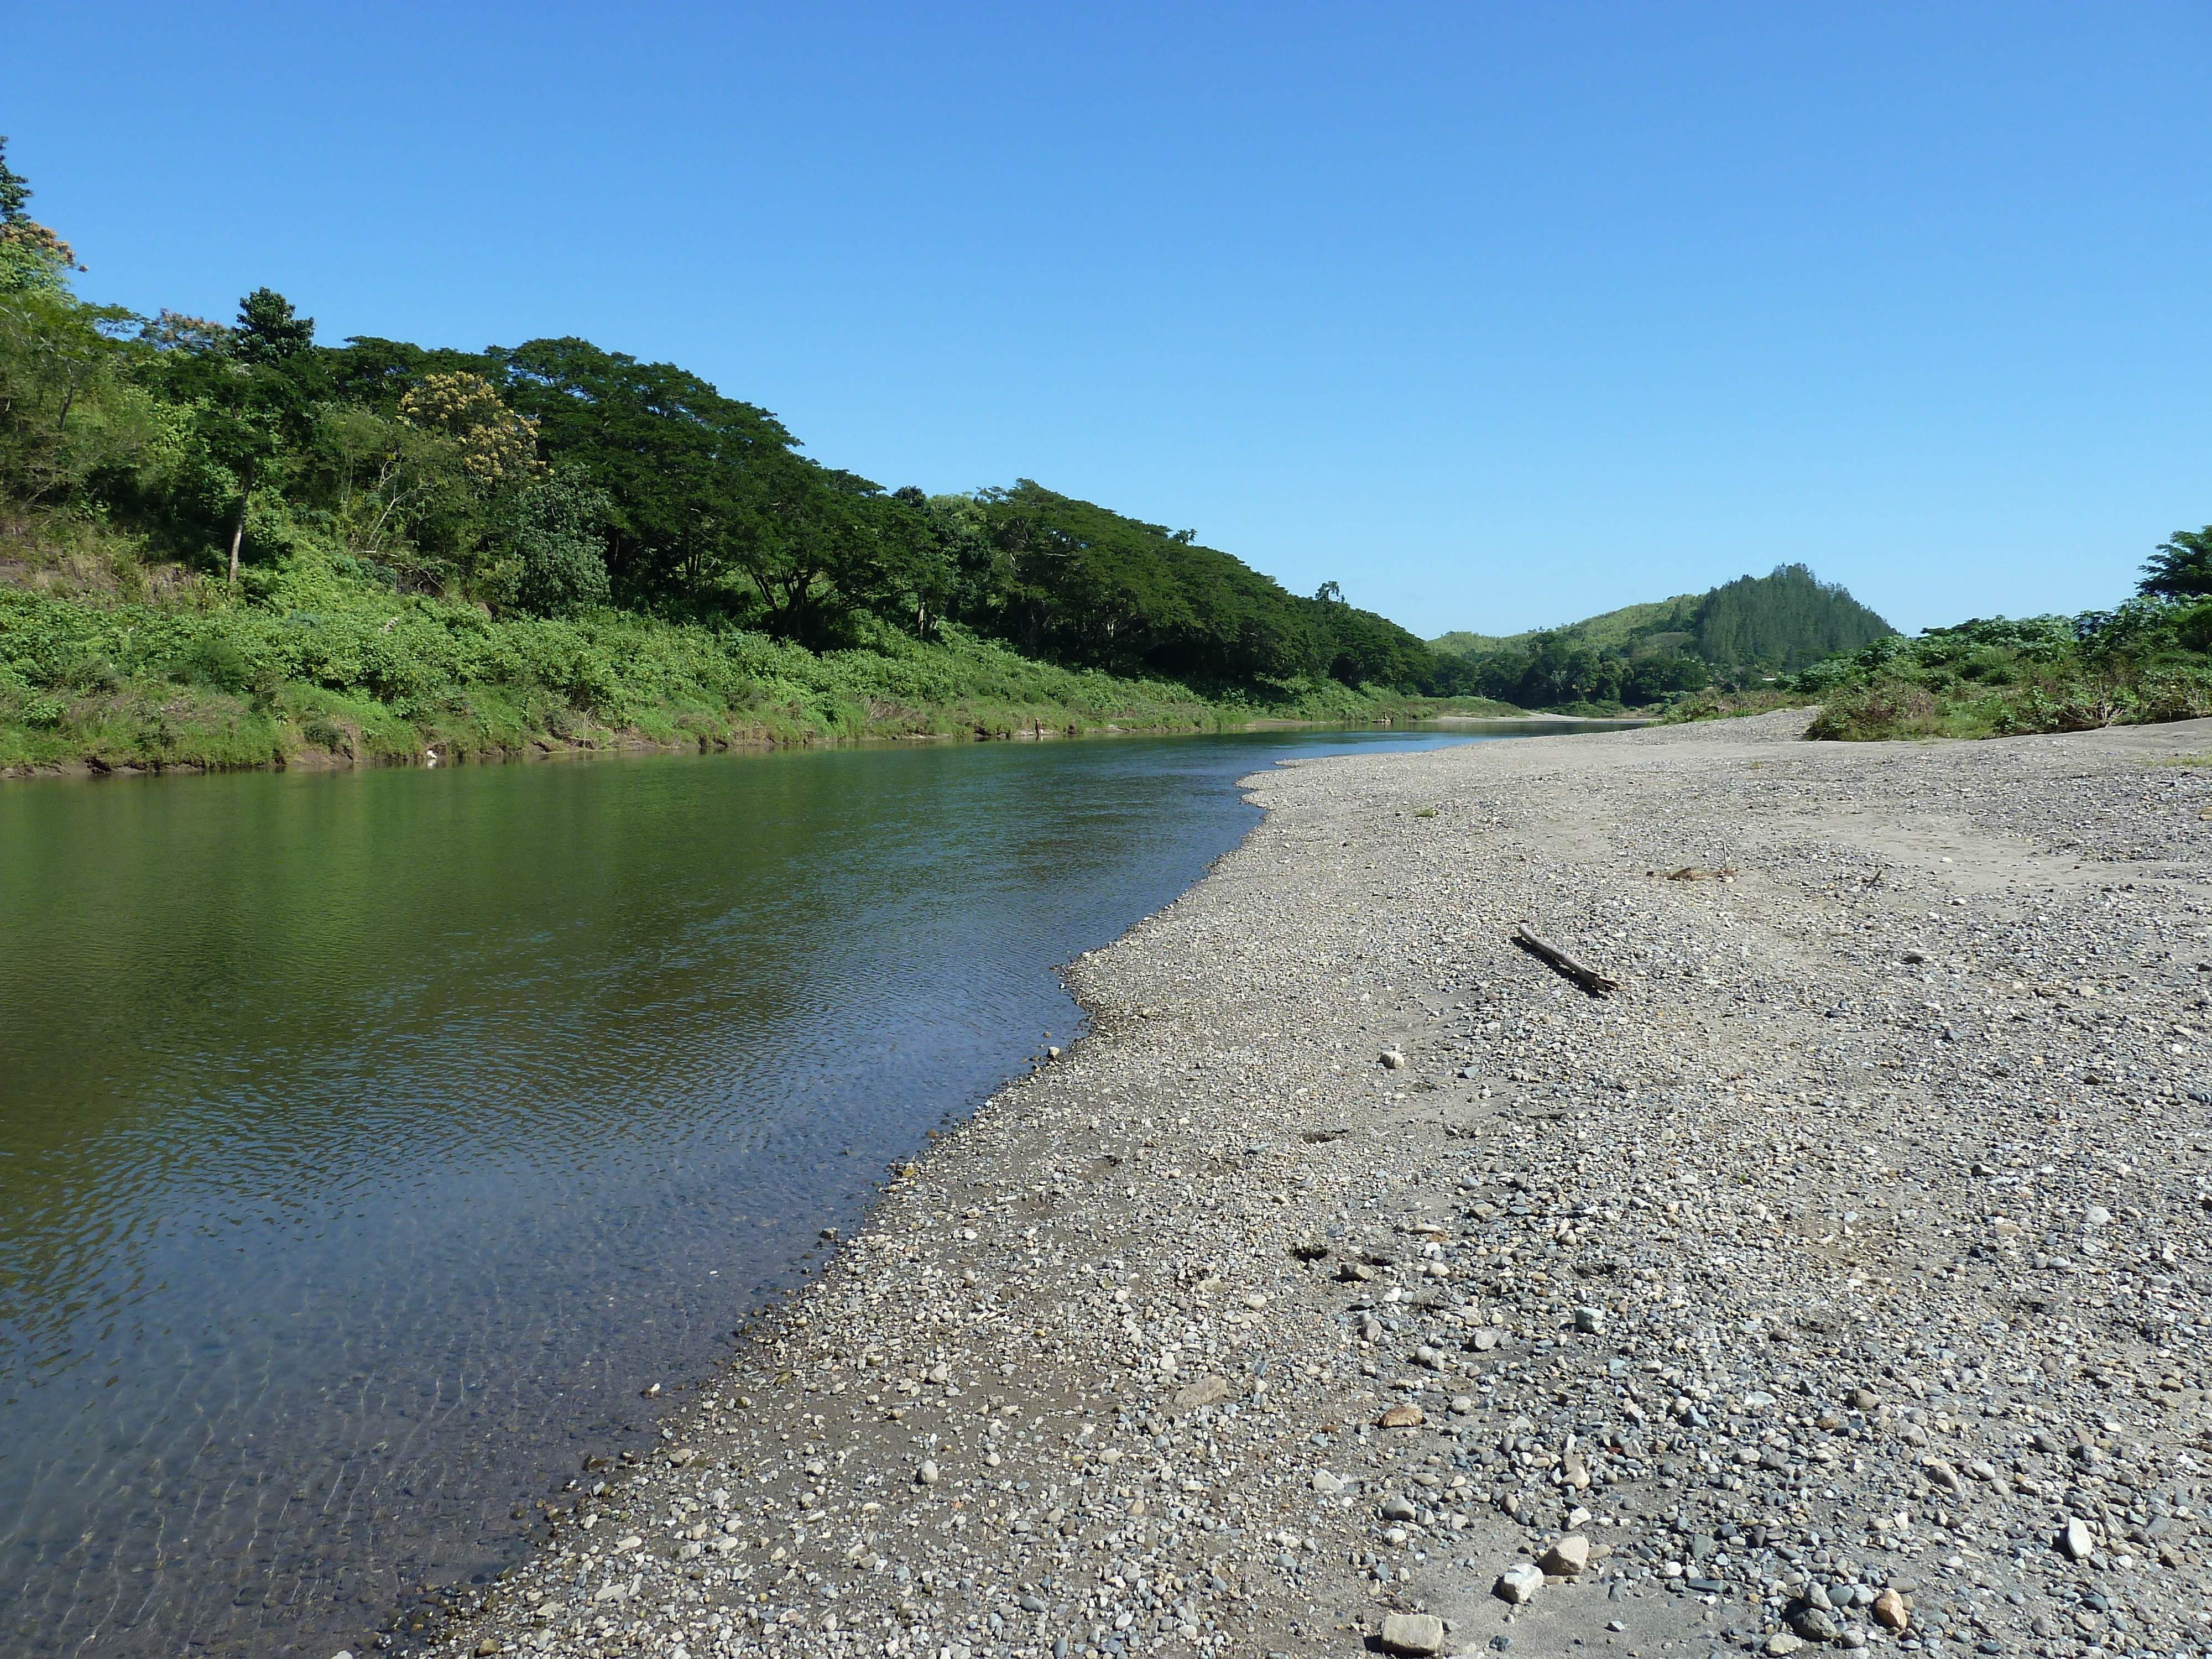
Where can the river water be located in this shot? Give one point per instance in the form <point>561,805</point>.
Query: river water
<point>369,1141</point>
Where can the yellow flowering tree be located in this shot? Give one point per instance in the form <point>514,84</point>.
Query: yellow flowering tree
<point>497,447</point>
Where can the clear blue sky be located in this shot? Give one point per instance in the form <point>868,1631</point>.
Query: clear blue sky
<point>1498,314</point>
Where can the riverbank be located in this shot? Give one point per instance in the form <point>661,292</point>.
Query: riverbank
<point>126,686</point>
<point>1842,1272</point>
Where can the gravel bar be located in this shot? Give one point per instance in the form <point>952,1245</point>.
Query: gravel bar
<point>1362,1283</point>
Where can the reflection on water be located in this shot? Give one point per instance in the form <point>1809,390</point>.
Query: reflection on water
<point>368,1141</point>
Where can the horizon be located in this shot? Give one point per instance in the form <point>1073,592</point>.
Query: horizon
<point>1476,312</point>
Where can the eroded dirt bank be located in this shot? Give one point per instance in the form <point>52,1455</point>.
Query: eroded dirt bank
<point>1840,1280</point>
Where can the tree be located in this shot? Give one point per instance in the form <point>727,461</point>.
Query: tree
<point>497,446</point>
<point>1084,584</point>
<point>65,415</point>
<point>173,331</point>
<point>820,546</point>
<point>554,528</point>
<point>33,259</point>
<point>1359,648</point>
<point>252,393</point>
<point>2180,569</point>
<point>687,469</point>
<point>248,421</point>
<point>14,189</point>
<point>269,331</point>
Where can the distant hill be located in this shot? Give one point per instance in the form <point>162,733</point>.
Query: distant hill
<point>1785,620</point>
<point>1630,621</point>
<point>1746,629</point>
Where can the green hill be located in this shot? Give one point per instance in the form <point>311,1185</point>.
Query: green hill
<point>1631,622</point>
<point>1748,630</point>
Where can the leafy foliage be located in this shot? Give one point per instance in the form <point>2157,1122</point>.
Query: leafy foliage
<point>2180,569</point>
<point>269,331</point>
<point>2144,661</point>
<point>556,532</point>
<point>495,447</point>
<point>33,259</point>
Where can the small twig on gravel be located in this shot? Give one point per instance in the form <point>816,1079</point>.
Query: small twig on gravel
<point>1583,975</point>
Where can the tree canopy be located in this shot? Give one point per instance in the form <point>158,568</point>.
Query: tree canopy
<point>558,475</point>
<point>2180,569</point>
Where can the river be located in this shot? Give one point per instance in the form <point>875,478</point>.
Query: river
<point>370,1142</point>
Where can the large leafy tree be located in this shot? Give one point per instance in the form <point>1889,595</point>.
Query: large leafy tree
<point>2180,569</point>
<point>1086,585</point>
<point>1362,648</point>
<point>33,259</point>
<point>688,471</point>
<point>253,390</point>
<point>820,545</point>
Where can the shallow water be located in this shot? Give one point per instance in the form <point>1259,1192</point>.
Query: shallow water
<point>368,1141</point>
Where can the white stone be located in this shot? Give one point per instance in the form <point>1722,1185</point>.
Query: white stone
<point>1417,1633</point>
<point>1567,1558</point>
<point>1519,1582</point>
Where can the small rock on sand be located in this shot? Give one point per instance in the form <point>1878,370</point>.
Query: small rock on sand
<point>1889,1611</point>
<point>1567,1558</point>
<point>1519,1582</point>
<point>1412,1632</point>
<point>1402,1416</point>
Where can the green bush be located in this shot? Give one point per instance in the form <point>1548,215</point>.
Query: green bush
<point>2145,661</point>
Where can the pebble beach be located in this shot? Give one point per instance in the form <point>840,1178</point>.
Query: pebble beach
<point>1359,1282</point>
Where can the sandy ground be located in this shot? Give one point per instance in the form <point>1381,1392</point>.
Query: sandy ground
<point>1839,1279</point>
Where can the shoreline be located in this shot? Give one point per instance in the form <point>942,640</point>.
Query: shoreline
<point>639,745</point>
<point>1817,1280</point>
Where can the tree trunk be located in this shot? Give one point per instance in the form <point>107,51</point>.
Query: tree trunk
<point>238,524</point>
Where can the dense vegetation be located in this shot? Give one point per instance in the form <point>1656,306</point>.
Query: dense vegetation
<point>1743,633</point>
<point>223,542</point>
<point>2149,660</point>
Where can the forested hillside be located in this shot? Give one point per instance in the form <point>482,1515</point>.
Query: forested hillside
<point>1750,630</point>
<point>219,537</point>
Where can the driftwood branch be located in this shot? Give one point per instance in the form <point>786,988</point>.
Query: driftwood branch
<point>1581,972</point>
